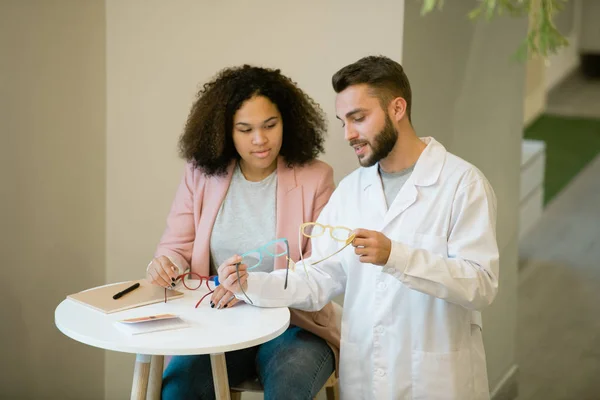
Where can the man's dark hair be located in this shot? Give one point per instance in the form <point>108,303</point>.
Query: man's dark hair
<point>385,76</point>
<point>207,140</point>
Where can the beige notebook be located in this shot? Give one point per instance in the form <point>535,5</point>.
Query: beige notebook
<point>101,298</point>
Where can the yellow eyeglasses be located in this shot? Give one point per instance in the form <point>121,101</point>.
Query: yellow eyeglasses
<point>314,229</point>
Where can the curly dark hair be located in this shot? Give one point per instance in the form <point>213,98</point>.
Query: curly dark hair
<point>207,140</point>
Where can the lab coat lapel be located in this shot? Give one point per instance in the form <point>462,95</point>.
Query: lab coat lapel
<point>426,173</point>
<point>405,198</point>
<point>376,205</point>
<point>378,212</point>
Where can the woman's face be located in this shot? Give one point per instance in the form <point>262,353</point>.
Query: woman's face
<point>257,136</point>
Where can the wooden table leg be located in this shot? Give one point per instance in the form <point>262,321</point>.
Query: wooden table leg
<point>155,381</point>
<point>220,379</point>
<point>140,377</point>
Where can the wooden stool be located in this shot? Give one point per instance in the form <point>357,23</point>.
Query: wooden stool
<point>331,389</point>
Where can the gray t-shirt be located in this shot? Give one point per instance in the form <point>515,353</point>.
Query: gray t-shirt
<point>245,221</point>
<point>393,182</point>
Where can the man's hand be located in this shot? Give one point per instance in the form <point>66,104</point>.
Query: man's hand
<point>228,278</point>
<point>371,246</point>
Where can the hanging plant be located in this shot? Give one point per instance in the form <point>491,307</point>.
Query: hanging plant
<point>542,38</point>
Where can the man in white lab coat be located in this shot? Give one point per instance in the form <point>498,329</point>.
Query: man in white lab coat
<point>424,261</point>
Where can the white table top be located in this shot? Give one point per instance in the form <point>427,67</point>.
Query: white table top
<point>212,331</point>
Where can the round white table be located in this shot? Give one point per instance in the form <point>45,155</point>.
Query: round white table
<point>211,331</point>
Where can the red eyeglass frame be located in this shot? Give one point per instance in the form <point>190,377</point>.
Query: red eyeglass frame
<point>199,277</point>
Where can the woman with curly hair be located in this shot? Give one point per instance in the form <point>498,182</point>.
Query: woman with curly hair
<point>251,142</point>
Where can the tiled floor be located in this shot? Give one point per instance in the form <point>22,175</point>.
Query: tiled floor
<point>558,339</point>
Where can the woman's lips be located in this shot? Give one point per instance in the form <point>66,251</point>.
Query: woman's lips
<point>262,154</point>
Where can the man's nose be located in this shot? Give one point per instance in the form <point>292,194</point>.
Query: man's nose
<point>350,133</point>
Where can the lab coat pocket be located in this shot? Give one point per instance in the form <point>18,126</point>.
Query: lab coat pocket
<point>442,376</point>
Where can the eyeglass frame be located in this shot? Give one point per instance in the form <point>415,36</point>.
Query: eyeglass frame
<point>331,228</point>
<point>259,251</point>
<point>201,279</point>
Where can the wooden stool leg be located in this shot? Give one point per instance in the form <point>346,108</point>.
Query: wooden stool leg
<point>140,377</point>
<point>155,381</point>
<point>236,395</point>
<point>220,379</point>
<point>332,393</point>
<point>332,389</point>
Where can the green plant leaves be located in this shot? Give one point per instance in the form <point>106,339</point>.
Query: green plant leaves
<point>542,38</point>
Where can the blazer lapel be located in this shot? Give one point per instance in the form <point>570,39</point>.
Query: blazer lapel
<point>290,210</point>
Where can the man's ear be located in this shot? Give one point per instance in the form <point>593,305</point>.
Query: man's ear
<point>398,108</point>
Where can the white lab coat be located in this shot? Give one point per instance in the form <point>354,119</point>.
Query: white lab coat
<point>410,329</point>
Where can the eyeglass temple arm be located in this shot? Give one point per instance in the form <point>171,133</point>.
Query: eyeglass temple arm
<point>348,242</point>
<point>237,271</point>
<point>287,266</point>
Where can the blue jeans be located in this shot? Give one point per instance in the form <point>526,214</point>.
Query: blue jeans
<point>295,365</point>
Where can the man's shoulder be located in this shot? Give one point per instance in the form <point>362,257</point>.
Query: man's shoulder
<point>461,171</point>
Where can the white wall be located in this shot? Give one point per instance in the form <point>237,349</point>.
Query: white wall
<point>544,74</point>
<point>158,53</point>
<point>52,193</point>
<point>468,93</point>
<point>565,61</point>
<point>590,28</point>
<point>536,92</point>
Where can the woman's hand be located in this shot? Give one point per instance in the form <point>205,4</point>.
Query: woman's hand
<point>222,298</point>
<point>228,277</point>
<point>162,272</point>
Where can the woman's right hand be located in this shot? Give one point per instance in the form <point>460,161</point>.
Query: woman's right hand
<point>162,272</point>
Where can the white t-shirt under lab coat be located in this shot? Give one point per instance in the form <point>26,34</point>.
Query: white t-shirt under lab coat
<point>412,328</point>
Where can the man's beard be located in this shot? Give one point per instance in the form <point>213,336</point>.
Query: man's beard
<point>383,144</point>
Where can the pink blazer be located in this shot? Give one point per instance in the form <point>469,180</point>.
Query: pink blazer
<point>302,192</point>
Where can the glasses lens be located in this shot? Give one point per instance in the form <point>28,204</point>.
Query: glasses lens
<point>341,234</point>
<point>192,281</point>
<point>252,259</point>
<point>276,249</point>
<point>313,230</point>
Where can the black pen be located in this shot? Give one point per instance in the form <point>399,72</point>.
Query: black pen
<point>124,292</point>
